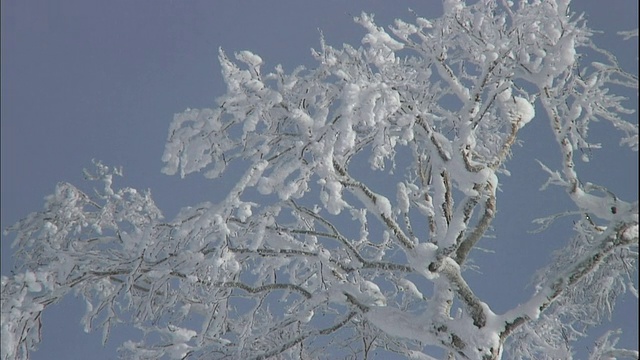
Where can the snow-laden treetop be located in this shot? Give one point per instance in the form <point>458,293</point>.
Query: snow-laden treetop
<point>308,245</point>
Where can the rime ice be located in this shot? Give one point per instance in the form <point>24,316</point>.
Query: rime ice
<point>361,186</point>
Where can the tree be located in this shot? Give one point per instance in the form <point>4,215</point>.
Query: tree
<point>308,250</point>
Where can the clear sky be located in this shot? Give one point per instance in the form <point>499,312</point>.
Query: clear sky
<point>95,79</point>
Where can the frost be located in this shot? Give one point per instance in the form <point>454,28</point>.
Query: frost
<point>180,335</point>
<point>419,356</point>
<point>178,351</point>
<point>244,212</point>
<point>524,111</point>
<point>403,198</point>
<point>398,323</point>
<point>409,132</point>
<point>32,284</point>
<point>249,58</point>
<point>373,293</point>
<point>384,206</point>
<point>306,316</point>
<point>452,6</point>
<point>8,341</point>
<point>519,110</point>
<point>424,23</point>
<point>410,288</point>
<point>631,233</point>
<point>421,257</point>
<point>332,198</point>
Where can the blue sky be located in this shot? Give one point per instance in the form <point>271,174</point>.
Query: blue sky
<point>95,79</point>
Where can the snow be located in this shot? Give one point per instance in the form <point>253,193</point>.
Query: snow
<point>524,111</point>
<point>249,58</point>
<point>398,323</point>
<point>421,256</point>
<point>567,53</point>
<point>178,351</point>
<point>180,335</point>
<point>319,118</point>
<point>596,205</point>
<point>452,6</point>
<point>373,294</point>
<point>377,36</point>
<point>383,205</point>
<point>8,341</point>
<point>516,108</point>
<point>403,198</point>
<point>412,354</point>
<point>227,262</point>
<point>631,233</point>
<point>32,283</point>
<point>504,95</point>
<point>410,288</point>
<point>306,315</point>
<point>332,198</point>
<point>303,119</point>
<point>244,212</point>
